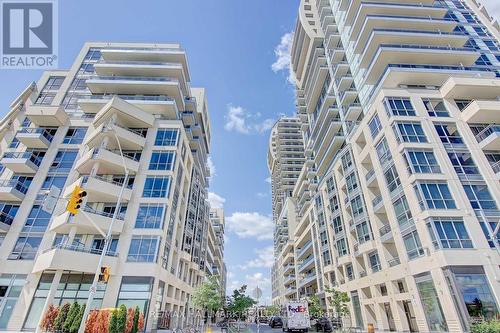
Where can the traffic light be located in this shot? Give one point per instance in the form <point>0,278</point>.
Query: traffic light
<point>76,200</point>
<point>104,276</point>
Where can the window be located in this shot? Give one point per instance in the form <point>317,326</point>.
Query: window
<point>156,187</point>
<point>136,291</point>
<point>86,68</point>
<point>37,220</point>
<point>14,143</point>
<point>78,84</point>
<point>75,135</point>
<point>383,151</point>
<point>349,272</point>
<point>26,122</point>
<point>93,54</point>
<point>162,160</point>
<point>45,98</point>
<point>363,233</point>
<point>409,132</point>
<point>26,248</point>
<point>480,197</point>
<point>399,106</point>
<point>166,137</point>
<point>420,161</point>
<point>57,181</point>
<point>434,196</point>
<point>337,224</point>
<point>435,107</point>
<point>63,162</point>
<point>448,133</point>
<point>357,206</point>
<point>8,212</point>
<point>341,246</point>
<point>346,161</point>
<point>402,211</point>
<point>413,246</point>
<point>463,163</point>
<point>487,233</point>
<point>375,126</point>
<point>98,246</point>
<point>143,249</point>
<point>54,83</point>
<point>462,103</point>
<point>374,262</point>
<point>392,178</point>
<point>448,233</point>
<point>149,216</point>
<point>351,182</point>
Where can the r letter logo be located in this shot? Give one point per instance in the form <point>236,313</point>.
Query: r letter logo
<point>29,34</point>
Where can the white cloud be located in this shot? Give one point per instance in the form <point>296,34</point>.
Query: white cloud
<point>264,259</point>
<point>211,167</point>
<point>262,194</point>
<point>216,201</point>
<point>268,180</point>
<point>283,58</point>
<point>493,7</point>
<point>251,225</point>
<point>241,121</point>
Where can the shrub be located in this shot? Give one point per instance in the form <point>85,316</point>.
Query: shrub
<point>122,319</point>
<point>130,320</point>
<point>135,327</point>
<point>113,322</point>
<point>49,318</point>
<point>91,321</point>
<point>61,317</point>
<point>73,312</point>
<point>492,326</point>
<point>102,324</point>
<point>75,325</point>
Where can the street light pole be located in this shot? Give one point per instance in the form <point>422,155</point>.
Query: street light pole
<point>107,241</point>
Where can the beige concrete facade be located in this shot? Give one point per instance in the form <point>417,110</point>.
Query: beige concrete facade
<point>68,129</point>
<point>398,200</point>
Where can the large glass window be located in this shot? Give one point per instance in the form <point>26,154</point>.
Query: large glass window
<point>399,106</point>
<point>53,83</point>
<point>143,249</point>
<point>10,288</point>
<point>431,305</point>
<point>45,98</point>
<point>7,212</point>
<point>162,160</point>
<point>448,233</point>
<point>150,216</point>
<point>479,196</point>
<point>351,182</point>
<point>409,132</point>
<point>374,262</point>
<point>413,246</point>
<point>156,187</point>
<point>357,206</point>
<point>463,163</point>
<point>337,224</point>
<point>37,220</point>
<point>166,137</point>
<point>341,246</point>
<point>448,133</point>
<point>420,161</point>
<point>26,248</point>
<point>136,291</point>
<point>434,196</point>
<point>383,152</point>
<point>375,126</point>
<point>63,162</point>
<point>75,135</point>
<point>56,180</point>
<point>435,107</point>
<point>363,233</point>
<point>402,210</point>
<point>392,178</point>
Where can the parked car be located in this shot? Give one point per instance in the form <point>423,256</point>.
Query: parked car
<point>263,320</point>
<point>275,321</point>
<point>324,324</point>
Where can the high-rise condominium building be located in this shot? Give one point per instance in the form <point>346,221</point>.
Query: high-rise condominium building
<point>215,252</point>
<point>71,128</point>
<point>399,103</point>
<point>285,159</point>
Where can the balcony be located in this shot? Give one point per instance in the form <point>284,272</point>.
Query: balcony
<point>403,24</point>
<point>378,203</point>
<point>489,138</point>
<point>102,188</point>
<point>394,262</point>
<point>22,162</point>
<point>110,162</point>
<point>386,234</point>
<point>46,115</point>
<point>65,222</point>
<point>73,258</point>
<point>481,111</point>
<point>12,190</point>
<point>129,85</point>
<point>289,279</point>
<point>352,111</point>
<point>154,104</point>
<point>307,280</point>
<point>417,55</point>
<point>471,88</point>
<point>130,139</point>
<point>290,291</point>
<point>35,137</point>
<point>306,263</point>
<point>305,249</point>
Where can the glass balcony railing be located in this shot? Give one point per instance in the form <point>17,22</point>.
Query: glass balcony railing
<point>119,216</point>
<point>83,249</point>
<point>44,132</point>
<point>129,97</point>
<point>131,62</point>
<point>487,132</point>
<point>110,179</point>
<point>36,159</point>
<point>14,183</point>
<point>131,154</point>
<point>133,78</point>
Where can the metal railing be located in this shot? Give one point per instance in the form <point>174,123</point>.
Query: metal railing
<point>36,159</point>
<point>120,215</point>
<point>106,178</point>
<point>129,97</point>
<point>134,155</point>
<point>81,248</point>
<point>385,230</point>
<point>394,262</point>
<point>133,78</point>
<point>44,132</point>
<point>14,183</point>
<point>131,62</point>
<point>493,128</point>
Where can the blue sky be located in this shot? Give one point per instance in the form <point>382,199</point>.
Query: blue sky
<point>231,47</point>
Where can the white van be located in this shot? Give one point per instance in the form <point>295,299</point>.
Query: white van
<point>296,317</point>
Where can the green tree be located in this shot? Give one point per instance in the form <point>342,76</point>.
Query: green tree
<point>207,296</point>
<point>315,309</point>
<point>135,327</point>
<point>272,310</point>
<point>75,325</point>
<point>239,302</point>
<point>73,312</point>
<point>113,322</point>
<point>61,317</point>
<point>339,300</point>
<point>122,319</point>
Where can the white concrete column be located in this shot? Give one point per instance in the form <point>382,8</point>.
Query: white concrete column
<point>50,297</point>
